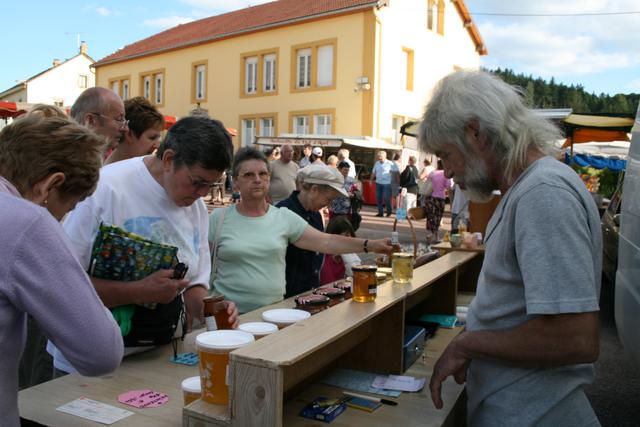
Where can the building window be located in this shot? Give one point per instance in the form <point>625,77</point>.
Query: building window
<point>406,64</point>
<point>267,126</point>
<point>58,102</point>
<point>251,71</point>
<point>199,81</point>
<point>120,85</point>
<point>315,65</point>
<point>259,73</point>
<point>269,68</point>
<point>158,88</point>
<point>83,81</point>
<point>146,87</point>
<point>322,124</point>
<point>396,124</point>
<point>254,125</point>
<point>435,16</point>
<point>303,71</point>
<point>248,131</point>
<point>301,125</point>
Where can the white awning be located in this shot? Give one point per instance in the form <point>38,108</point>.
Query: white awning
<point>328,141</point>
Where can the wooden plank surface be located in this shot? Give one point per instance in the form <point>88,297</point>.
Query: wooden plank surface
<point>446,248</point>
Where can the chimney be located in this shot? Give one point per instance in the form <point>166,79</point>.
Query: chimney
<point>56,62</point>
<point>83,47</point>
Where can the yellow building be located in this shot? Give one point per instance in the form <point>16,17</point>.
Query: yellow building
<point>345,67</point>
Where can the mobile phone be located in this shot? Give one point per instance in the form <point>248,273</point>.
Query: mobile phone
<point>180,270</point>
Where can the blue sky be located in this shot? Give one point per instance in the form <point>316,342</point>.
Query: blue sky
<point>602,53</point>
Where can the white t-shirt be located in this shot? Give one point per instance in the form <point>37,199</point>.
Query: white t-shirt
<point>128,196</point>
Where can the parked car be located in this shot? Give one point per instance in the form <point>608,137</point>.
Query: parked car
<point>627,290</point>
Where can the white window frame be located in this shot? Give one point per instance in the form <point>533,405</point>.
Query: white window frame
<point>115,86</point>
<point>201,84</point>
<point>322,128</point>
<point>303,68</point>
<point>125,89</point>
<point>248,133</point>
<point>158,79</point>
<point>267,123</point>
<point>301,128</point>
<point>83,81</point>
<point>251,75</point>
<point>322,68</point>
<point>269,72</point>
<point>146,87</point>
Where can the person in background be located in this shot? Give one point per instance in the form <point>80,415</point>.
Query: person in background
<point>46,110</point>
<point>158,197</point>
<point>144,133</point>
<point>422,183</point>
<point>283,175</point>
<point>306,159</point>
<point>316,156</point>
<point>336,267</point>
<point>434,203</point>
<point>252,236</point>
<point>381,174</point>
<point>102,111</point>
<point>273,154</point>
<point>47,165</point>
<point>343,156</point>
<point>395,178</point>
<point>341,205</point>
<point>532,329</point>
<point>409,180</point>
<point>459,208</point>
<point>332,161</point>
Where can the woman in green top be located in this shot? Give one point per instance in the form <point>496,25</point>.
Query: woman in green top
<point>252,237</point>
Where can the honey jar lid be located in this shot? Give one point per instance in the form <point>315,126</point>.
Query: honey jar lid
<point>258,328</point>
<point>224,339</point>
<point>191,385</point>
<point>402,255</point>
<point>312,299</point>
<point>364,268</point>
<point>329,291</point>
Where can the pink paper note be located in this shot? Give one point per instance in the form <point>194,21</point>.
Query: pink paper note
<point>143,398</point>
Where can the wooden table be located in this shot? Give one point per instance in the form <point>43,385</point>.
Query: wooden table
<point>274,377</point>
<point>445,248</point>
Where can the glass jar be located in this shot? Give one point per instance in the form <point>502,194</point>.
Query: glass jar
<point>402,267</point>
<point>215,313</point>
<point>312,303</point>
<point>365,286</point>
<point>346,285</point>
<point>336,296</point>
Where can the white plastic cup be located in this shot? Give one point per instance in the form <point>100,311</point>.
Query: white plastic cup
<point>191,389</point>
<point>258,329</point>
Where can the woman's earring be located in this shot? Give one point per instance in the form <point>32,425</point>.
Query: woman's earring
<point>45,202</point>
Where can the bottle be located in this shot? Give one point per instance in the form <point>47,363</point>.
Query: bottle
<point>394,238</point>
<point>210,310</point>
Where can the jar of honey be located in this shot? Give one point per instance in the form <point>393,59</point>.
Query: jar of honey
<point>312,303</point>
<point>402,267</point>
<point>215,313</point>
<point>365,285</point>
<point>336,296</point>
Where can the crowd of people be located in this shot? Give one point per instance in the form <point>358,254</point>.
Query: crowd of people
<point>531,330</point>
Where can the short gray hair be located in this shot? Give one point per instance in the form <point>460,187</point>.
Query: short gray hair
<point>510,128</point>
<point>90,101</point>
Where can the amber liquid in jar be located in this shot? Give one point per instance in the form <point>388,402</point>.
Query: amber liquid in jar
<point>365,286</point>
<point>402,267</point>
<point>215,313</point>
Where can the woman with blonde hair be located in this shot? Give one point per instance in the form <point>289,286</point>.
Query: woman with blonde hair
<point>47,165</point>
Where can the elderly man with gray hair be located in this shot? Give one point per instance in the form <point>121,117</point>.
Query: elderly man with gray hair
<point>283,175</point>
<point>102,111</point>
<point>532,329</point>
<point>343,156</point>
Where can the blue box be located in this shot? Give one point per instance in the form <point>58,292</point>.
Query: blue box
<point>413,345</point>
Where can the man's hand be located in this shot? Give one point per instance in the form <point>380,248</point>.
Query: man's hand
<point>160,287</point>
<point>232,311</point>
<point>452,362</point>
<point>382,246</point>
<point>194,304</point>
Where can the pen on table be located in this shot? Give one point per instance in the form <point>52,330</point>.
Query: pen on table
<point>370,398</point>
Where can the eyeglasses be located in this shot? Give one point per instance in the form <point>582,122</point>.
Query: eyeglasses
<point>122,122</point>
<point>263,175</point>
<point>199,183</point>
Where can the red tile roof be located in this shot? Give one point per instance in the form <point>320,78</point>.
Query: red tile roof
<point>240,21</point>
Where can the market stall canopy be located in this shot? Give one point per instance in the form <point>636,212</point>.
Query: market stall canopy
<point>328,141</point>
<point>600,155</point>
<point>169,121</point>
<point>583,128</point>
<point>13,109</point>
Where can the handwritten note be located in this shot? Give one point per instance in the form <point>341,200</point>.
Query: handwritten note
<point>143,398</point>
<point>94,411</point>
<point>399,382</point>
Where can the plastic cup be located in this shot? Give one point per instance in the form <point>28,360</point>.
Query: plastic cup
<point>191,389</point>
<point>213,351</point>
<point>258,329</point>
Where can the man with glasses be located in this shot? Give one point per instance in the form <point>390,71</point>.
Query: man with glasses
<point>102,111</point>
<point>158,197</point>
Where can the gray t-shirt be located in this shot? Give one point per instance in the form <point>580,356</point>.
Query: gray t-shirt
<point>543,256</point>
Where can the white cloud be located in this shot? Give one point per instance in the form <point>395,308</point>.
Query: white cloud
<point>635,85</point>
<point>167,21</point>
<point>559,46</point>
<point>103,11</point>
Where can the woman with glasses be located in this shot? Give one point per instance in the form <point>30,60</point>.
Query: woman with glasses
<point>47,165</point>
<point>249,240</point>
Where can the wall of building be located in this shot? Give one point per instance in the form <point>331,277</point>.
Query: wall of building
<point>224,74</point>
<point>61,84</point>
<point>19,96</point>
<point>404,27</point>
